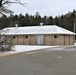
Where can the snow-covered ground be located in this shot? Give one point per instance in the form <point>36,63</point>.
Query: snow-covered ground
<point>25,48</point>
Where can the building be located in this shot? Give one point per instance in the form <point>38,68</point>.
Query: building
<point>38,35</point>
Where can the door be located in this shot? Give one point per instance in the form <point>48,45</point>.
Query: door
<point>40,39</point>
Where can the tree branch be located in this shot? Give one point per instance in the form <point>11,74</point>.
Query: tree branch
<point>8,2</point>
<point>1,3</point>
<point>3,8</point>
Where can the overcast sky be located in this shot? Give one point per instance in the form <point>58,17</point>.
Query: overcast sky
<point>45,7</point>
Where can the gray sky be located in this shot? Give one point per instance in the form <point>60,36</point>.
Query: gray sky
<point>45,7</point>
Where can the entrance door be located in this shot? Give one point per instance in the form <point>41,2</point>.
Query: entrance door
<point>39,39</point>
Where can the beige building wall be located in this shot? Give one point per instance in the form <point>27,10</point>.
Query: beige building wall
<point>71,39</point>
<point>67,40</point>
<point>8,40</point>
<point>62,41</point>
<point>47,40</point>
<point>57,39</point>
<point>53,39</point>
<point>20,40</point>
<point>26,39</point>
<point>14,40</point>
<point>33,39</point>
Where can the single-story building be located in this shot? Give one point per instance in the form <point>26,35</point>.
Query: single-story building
<point>38,35</point>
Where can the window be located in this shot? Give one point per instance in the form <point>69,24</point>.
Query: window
<point>26,37</point>
<point>55,36</point>
<point>14,37</point>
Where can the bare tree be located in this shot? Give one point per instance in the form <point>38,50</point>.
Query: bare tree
<point>5,3</point>
<point>3,10</point>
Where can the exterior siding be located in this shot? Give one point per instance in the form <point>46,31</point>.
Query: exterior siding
<point>62,39</point>
<point>57,40</point>
<point>27,39</point>
<point>33,40</point>
<point>67,40</point>
<point>20,40</point>
<point>52,39</point>
<point>14,40</point>
<point>47,40</point>
<point>71,40</point>
<point>8,40</point>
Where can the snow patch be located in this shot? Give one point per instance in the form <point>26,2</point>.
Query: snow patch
<point>25,48</point>
<point>22,48</point>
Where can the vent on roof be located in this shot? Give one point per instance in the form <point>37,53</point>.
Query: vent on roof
<point>41,24</point>
<point>16,25</point>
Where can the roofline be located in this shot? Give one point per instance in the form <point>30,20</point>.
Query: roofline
<point>40,34</point>
<point>29,33</point>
